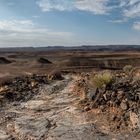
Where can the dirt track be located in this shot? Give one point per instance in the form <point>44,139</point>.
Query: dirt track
<point>54,115</point>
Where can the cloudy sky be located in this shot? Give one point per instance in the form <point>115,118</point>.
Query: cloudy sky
<point>69,22</point>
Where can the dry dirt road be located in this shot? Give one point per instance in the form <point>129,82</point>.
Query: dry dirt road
<point>52,115</point>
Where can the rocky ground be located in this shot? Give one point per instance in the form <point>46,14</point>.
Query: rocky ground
<point>36,108</point>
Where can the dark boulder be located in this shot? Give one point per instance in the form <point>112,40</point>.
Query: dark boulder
<point>3,60</point>
<point>44,61</point>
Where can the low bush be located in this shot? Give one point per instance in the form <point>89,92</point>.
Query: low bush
<point>102,80</point>
<point>136,73</point>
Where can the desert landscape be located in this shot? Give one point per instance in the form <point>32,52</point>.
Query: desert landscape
<point>70,93</point>
<point>69,69</point>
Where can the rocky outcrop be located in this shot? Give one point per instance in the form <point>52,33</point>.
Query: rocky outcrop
<point>44,61</point>
<point>120,100</point>
<point>3,60</point>
<point>22,88</point>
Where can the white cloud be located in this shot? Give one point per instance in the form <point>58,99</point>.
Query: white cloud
<point>94,6</point>
<point>26,33</point>
<point>16,25</point>
<point>35,17</point>
<point>133,11</point>
<point>132,2</point>
<point>136,26</point>
<point>61,5</point>
<point>128,2</point>
<point>130,8</point>
<point>118,20</point>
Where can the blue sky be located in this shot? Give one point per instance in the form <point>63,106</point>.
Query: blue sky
<point>69,22</point>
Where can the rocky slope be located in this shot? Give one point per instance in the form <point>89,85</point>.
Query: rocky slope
<point>54,112</point>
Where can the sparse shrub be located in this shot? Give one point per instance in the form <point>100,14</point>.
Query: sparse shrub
<point>136,73</point>
<point>128,69</point>
<point>102,80</point>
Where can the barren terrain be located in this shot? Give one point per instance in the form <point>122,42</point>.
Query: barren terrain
<point>17,63</point>
<point>38,104</point>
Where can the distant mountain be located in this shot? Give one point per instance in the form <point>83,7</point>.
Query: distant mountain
<point>74,48</point>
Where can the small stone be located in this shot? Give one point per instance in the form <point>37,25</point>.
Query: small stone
<point>33,83</point>
<point>117,102</point>
<point>120,95</point>
<point>134,118</point>
<point>113,117</point>
<point>113,94</point>
<point>86,108</point>
<point>10,127</point>
<point>126,116</point>
<point>124,105</point>
<point>105,97</point>
<point>102,107</point>
<point>91,94</point>
<point>34,104</point>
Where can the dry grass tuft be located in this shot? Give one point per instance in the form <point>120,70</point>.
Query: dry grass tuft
<point>103,79</point>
